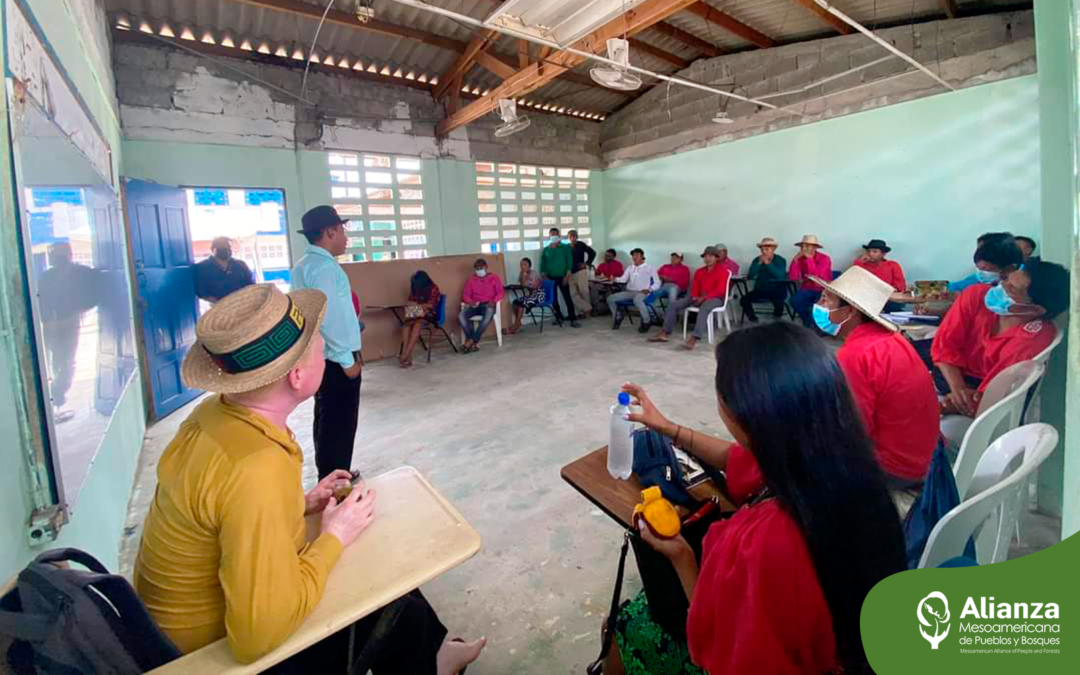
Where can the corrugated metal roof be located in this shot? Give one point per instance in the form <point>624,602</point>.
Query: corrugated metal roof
<point>781,20</point>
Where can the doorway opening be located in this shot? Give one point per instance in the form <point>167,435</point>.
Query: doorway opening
<point>254,220</point>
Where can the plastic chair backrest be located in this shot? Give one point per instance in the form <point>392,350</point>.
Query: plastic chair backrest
<point>1006,382</point>
<point>1001,496</point>
<point>549,293</point>
<point>985,427</point>
<point>440,311</point>
<point>1044,356</point>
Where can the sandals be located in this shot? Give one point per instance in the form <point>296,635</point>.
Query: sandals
<point>659,338</point>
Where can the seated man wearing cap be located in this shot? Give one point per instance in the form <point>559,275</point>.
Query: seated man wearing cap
<point>989,328</point>
<point>726,261</point>
<point>223,552</point>
<point>891,386</point>
<point>674,280</point>
<point>889,271</point>
<point>641,280</point>
<point>809,262</point>
<point>768,272</point>
<point>707,292</point>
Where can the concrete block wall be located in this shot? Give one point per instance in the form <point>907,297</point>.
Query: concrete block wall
<point>964,52</point>
<point>169,95</point>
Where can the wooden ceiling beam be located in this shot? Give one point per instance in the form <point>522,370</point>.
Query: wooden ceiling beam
<point>338,17</point>
<point>523,54</point>
<point>538,74</point>
<point>827,17</point>
<point>688,39</point>
<point>661,54</point>
<point>464,62</point>
<point>731,24</point>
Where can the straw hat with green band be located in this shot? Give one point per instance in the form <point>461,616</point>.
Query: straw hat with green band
<point>252,338</point>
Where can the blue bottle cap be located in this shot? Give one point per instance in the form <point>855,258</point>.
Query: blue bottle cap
<point>624,398</point>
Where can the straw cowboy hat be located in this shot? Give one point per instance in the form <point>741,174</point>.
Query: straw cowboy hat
<point>811,240</point>
<point>251,338</point>
<point>767,241</point>
<point>863,291</point>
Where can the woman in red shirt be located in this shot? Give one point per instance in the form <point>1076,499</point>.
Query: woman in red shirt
<point>990,328</point>
<point>780,585</point>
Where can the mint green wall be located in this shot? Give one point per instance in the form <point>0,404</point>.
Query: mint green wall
<point>97,523</point>
<point>450,204</point>
<point>1057,23</point>
<point>928,176</point>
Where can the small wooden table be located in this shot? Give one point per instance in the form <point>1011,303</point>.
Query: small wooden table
<point>617,498</point>
<point>416,536</point>
<point>399,313</point>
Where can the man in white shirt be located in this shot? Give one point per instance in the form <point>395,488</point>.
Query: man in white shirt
<point>640,279</point>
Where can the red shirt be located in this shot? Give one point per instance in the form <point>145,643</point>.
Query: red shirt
<point>488,288</point>
<point>710,284</point>
<point>966,338</point>
<point>803,268</point>
<point>895,393</point>
<point>758,606</point>
<point>888,271</point>
<point>611,269</point>
<point>676,274</point>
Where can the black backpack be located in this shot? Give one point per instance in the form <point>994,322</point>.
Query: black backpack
<point>71,622</point>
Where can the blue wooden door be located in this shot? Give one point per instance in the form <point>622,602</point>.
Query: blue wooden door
<point>165,284</point>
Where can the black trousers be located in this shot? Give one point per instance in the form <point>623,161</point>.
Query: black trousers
<point>337,407</point>
<point>776,296</point>
<point>402,638</point>
<point>564,287</point>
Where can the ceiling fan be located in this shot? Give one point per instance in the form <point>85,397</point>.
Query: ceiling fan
<point>512,122</point>
<point>617,76</point>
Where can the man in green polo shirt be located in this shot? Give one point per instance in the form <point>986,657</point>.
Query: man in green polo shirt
<point>556,263</point>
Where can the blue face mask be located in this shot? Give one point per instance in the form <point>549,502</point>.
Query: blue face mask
<point>824,322</point>
<point>998,301</point>
<point>985,277</point>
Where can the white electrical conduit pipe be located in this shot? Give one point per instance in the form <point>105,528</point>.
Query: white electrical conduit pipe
<point>824,4</point>
<point>417,4</point>
<point>830,78</point>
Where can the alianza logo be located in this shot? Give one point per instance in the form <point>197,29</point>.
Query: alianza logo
<point>937,606</point>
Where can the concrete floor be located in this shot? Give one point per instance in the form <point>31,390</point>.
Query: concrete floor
<point>491,431</point>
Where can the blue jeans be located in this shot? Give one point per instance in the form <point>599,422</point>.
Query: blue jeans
<point>803,304</point>
<point>669,289</point>
<point>474,331</point>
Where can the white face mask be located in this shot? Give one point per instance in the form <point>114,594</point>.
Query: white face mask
<point>554,240</point>
<point>481,272</point>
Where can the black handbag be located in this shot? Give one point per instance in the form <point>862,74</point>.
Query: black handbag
<point>655,464</point>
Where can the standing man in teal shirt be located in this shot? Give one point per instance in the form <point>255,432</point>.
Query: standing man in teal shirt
<point>556,263</point>
<point>337,403</point>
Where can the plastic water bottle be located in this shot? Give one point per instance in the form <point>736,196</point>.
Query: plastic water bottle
<point>620,454</point>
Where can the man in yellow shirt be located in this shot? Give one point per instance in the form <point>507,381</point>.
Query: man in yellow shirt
<point>223,552</point>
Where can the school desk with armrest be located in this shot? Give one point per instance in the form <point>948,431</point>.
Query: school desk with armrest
<point>416,536</point>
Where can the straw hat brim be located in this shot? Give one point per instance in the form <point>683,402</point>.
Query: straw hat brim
<point>811,243</point>
<point>856,304</point>
<point>200,372</point>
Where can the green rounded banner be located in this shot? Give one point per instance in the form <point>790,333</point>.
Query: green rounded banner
<point>999,618</point>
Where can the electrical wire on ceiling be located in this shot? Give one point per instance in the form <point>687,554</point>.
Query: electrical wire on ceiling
<point>311,50</point>
<point>418,4</point>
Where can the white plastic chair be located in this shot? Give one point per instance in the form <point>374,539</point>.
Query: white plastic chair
<point>996,497</point>
<point>1018,379</point>
<point>953,427</point>
<point>716,316</point>
<point>498,322</point>
<point>1043,357</point>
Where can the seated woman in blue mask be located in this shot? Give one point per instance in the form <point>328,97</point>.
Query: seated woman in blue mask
<point>989,267</point>
<point>990,328</point>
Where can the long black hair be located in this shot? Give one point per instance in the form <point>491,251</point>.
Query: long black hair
<point>786,391</point>
<point>421,285</point>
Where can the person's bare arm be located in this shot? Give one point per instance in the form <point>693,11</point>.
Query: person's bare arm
<point>710,449</point>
